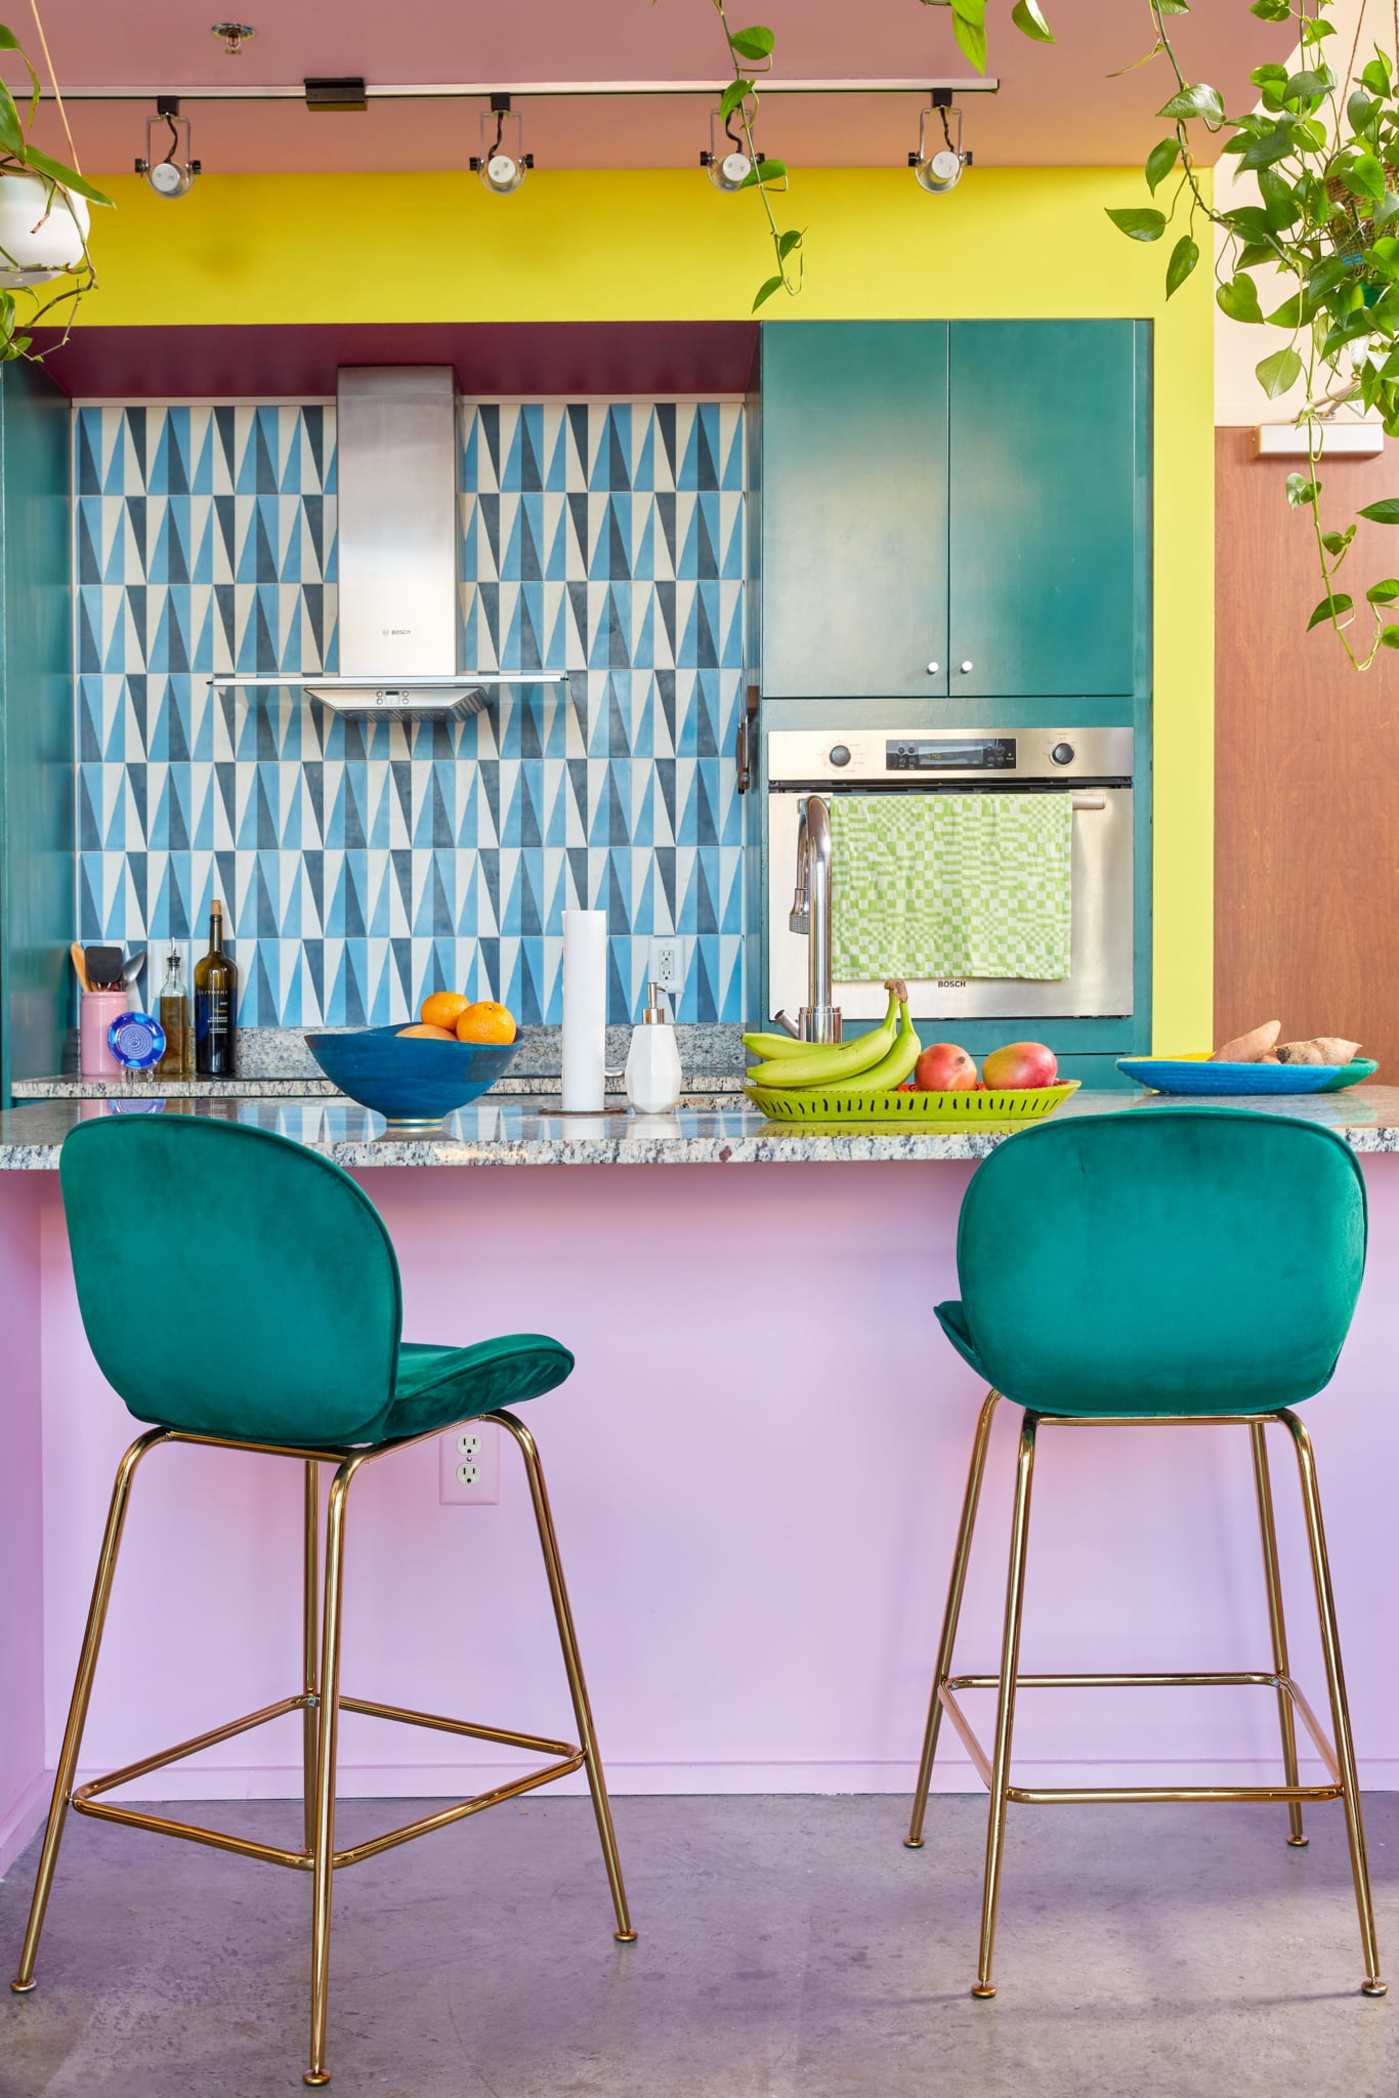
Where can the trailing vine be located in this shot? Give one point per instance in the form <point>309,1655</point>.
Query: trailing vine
<point>19,156</point>
<point>1327,224</point>
<point>1323,148</point>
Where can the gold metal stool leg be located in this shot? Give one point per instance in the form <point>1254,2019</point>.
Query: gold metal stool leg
<point>1277,1625</point>
<point>1005,1704</point>
<point>955,1588</point>
<point>573,1668</point>
<point>323,1843</point>
<point>1373,1984</point>
<point>77,1710</point>
<point>310,1650</point>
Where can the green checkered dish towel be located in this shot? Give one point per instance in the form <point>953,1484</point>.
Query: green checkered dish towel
<point>951,885</point>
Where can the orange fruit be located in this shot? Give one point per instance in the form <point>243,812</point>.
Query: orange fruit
<point>443,1009</point>
<point>486,1021</point>
<point>425,1032</point>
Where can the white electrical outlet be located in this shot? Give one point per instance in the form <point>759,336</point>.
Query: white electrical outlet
<point>469,1463</point>
<point>665,963</point>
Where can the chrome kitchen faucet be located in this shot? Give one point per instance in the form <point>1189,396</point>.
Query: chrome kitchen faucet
<point>818,1020</point>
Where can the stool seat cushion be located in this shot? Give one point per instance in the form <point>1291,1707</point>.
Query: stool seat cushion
<point>436,1386</point>
<point>1167,1261</point>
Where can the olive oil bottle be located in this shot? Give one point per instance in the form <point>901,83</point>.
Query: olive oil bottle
<point>178,1060</point>
<point>215,1004</point>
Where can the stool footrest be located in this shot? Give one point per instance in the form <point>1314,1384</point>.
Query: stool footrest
<point>1103,1795</point>
<point>567,1757</point>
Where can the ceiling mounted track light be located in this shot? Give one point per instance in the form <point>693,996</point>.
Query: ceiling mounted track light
<point>937,167</point>
<point>167,165</point>
<point>728,162</point>
<point>501,162</point>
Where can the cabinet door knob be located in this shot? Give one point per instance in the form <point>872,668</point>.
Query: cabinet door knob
<point>933,669</point>
<point>968,665</point>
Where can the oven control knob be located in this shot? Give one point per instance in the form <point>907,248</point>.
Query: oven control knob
<point>840,754</point>
<point>1062,754</point>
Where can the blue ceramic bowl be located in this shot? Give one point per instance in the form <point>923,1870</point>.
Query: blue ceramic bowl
<point>410,1080</point>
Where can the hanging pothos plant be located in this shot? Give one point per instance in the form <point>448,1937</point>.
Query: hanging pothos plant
<point>43,218</point>
<point>1323,149</point>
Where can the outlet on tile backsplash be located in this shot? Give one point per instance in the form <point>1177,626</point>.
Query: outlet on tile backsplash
<point>362,864</point>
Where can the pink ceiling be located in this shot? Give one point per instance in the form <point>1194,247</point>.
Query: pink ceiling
<point>1056,104</point>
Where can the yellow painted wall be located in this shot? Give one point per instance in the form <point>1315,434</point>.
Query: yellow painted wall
<point>663,245</point>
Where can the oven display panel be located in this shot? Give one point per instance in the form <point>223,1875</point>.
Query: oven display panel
<point>950,754</point>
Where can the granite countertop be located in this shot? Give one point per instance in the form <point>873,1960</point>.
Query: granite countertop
<point>500,1132</point>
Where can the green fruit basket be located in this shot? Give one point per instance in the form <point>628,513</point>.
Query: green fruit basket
<point>965,1109</point>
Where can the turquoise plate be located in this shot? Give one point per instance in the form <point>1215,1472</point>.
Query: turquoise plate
<point>1197,1078</point>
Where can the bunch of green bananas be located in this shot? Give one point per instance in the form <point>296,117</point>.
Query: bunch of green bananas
<point>870,1063</point>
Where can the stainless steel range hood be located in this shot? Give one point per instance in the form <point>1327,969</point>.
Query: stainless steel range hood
<point>399,554</point>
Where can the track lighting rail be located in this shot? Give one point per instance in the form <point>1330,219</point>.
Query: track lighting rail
<point>540,90</point>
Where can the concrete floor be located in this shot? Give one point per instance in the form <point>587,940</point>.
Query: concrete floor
<point>790,1948</point>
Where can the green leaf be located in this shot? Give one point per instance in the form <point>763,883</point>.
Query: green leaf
<point>752,43</point>
<point>1279,202</point>
<point>787,243</point>
<point>1300,489</point>
<point>765,171</point>
<point>1173,7</point>
<point>736,93</point>
<point>66,178</point>
<point>1359,111</point>
<point>1313,29</point>
<point>1197,101</point>
<point>1279,372</point>
<point>1310,85</point>
<point>1376,75</point>
<point>1364,177</point>
<point>10,42</point>
<point>1337,542</point>
<point>1389,638</point>
<point>1330,608</point>
<point>1384,593</point>
<point>1289,314</point>
<point>11,129</point>
<point>1239,299</point>
<point>1272,10</point>
<point>1159,162</point>
<point>1139,224</point>
<point>765,292</point>
<point>1273,144</point>
<point>971,39</point>
<point>1184,256</point>
<point>1386,511</point>
<point>1030,22</point>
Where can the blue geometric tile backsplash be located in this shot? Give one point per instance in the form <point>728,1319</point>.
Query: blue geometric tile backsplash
<point>363,864</point>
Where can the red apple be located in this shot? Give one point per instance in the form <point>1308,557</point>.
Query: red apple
<point>944,1068</point>
<point>1019,1064</point>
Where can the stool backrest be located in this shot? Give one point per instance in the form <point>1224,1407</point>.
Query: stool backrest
<point>230,1281</point>
<point>1163,1260</point>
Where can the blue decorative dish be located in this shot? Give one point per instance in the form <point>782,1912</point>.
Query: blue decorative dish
<point>411,1080</point>
<point>1198,1078</point>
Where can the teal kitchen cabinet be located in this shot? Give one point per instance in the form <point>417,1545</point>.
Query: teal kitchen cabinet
<point>1049,524</point>
<point>854,509</point>
<point>36,726</point>
<point>955,510</point>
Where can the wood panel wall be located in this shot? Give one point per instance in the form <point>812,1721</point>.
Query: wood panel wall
<point>1307,768</point>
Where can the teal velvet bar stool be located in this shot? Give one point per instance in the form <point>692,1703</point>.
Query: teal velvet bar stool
<point>304,1360</point>
<point>1162,1266</point>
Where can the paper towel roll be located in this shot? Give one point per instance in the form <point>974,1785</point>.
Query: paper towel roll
<point>584,1010</point>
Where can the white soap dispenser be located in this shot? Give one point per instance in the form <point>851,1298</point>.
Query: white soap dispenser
<point>653,1061</point>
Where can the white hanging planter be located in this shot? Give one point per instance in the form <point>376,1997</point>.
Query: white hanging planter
<point>43,230</point>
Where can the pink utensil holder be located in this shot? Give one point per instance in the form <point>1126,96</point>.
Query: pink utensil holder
<point>96,1012</point>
